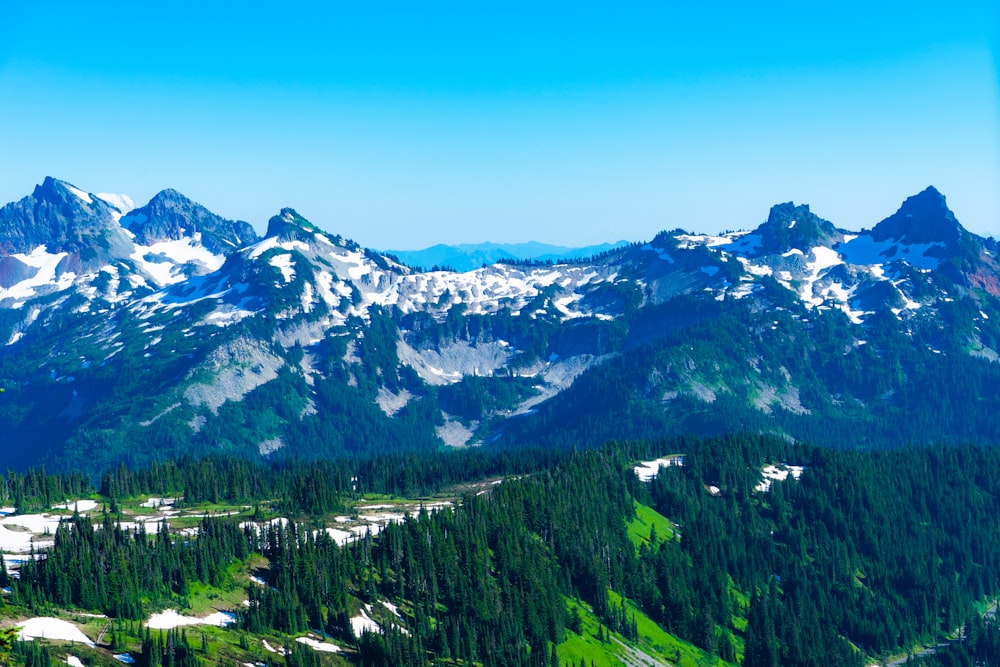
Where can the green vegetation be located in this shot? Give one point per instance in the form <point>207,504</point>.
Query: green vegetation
<point>569,559</point>
<point>649,527</point>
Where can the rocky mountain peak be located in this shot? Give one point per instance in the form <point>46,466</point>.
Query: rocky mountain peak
<point>170,216</point>
<point>923,218</point>
<point>59,216</point>
<point>288,225</point>
<point>789,226</point>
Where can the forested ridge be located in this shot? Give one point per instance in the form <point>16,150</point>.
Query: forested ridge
<point>865,555</point>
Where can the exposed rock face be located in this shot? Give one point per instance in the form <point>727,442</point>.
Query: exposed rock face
<point>63,218</point>
<point>923,218</point>
<point>213,337</point>
<point>170,216</point>
<point>794,227</point>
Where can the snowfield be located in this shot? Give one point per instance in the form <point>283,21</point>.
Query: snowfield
<point>46,627</point>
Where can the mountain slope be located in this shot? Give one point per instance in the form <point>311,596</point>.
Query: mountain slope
<point>171,330</point>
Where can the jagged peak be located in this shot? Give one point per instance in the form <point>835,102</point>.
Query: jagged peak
<point>791,226</point>
<point>63,192</point>
<point>289,224</point>
<point>923,218</point>
<point>170,215</point>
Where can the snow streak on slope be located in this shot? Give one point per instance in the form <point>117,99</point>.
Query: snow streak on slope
<point>45,278</point>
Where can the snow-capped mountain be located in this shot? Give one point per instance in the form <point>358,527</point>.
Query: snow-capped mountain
<point>165,328</point>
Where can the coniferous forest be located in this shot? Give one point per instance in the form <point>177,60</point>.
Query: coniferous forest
<point>570,558</point>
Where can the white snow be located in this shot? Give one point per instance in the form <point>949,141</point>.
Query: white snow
<point>777,473</point>
<point>46,627</point>
<point>80,193</point>
<point>280,649</point>
<point>273,242</point>
<point>755,269</point>
<point>73,661</point>
<point>362,622</point>
<point>391,607</point>
<point>15,541</point>
<point>741,242</point>
<point>168,619</point>
<point>284,264</point>
<point>824,258</point>
<point>688,241</point>
<point>647,470</point>
<point>341,537</point>
<point>163,260</point>
<point>82,505</point>
<point>156,501</point>
<point>34,523</point>
<point>317,645</point>
<point>46,263</point>
<point>864,250</point>
<point>123,203</point>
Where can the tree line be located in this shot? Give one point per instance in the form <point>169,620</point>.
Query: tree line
<point>867,554</point>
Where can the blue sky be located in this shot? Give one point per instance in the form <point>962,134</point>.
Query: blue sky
<point>422,123</point>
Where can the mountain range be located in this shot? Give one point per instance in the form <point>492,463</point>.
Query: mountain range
<point>133,334</point>
<point>471,256</point>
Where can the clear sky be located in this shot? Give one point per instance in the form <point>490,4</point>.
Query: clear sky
<point>425,122</point>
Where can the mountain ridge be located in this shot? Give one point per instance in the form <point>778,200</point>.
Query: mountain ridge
<point>471,256</point>
<point>302,343</point>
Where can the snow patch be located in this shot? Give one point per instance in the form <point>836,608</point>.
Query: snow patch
<point>46,627</point>
<point>80,194</point>
<point>864,250</point>
<point>164,261</point>
<point>123,203</point>
<point>647,470</point>
<point>45,264</point>
<point>259,249</point>
<point>284,264</point>
<point>362,622</point>
<point>317,645</point>
<point>82,505</point>
<point>772,473</point>
<point>169,619</point>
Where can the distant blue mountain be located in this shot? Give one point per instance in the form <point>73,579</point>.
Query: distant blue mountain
<point>471,256</point>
